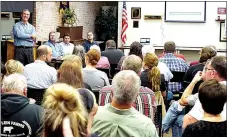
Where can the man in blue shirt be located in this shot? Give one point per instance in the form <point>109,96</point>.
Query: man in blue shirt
<point>89,42</point>
<point>24,39</point>
<point>57,49</point>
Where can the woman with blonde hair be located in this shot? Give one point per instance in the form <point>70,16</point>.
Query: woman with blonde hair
<point>151,76</point>
<point>14,66</point>
<point>70,72</point>
<point>65,115</point>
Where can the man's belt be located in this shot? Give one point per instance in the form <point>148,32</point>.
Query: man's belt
<point>24,47</point>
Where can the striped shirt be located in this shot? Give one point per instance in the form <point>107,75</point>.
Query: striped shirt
<point>144,103</point>
<point>22,34</point>
<point>174,64</point>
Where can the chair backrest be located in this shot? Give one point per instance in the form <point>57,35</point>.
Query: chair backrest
<point>96,92</point>
<point>177,76</point>
<point>106,70</point>
<point>36,94</point>
<point>158,119</point>
<point>113,69</point>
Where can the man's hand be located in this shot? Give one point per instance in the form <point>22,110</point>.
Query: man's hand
<point>197,77</point>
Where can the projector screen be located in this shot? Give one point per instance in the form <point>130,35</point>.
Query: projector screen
<point>185,12</point>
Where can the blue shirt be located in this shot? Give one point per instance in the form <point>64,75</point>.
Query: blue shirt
<point>57,49</point>
<point>22,34</point>
<point>174,64</point>
<point>87,44</point>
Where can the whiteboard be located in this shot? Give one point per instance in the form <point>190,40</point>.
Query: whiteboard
<point>185,11</point>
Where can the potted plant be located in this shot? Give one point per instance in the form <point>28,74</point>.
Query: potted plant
<point>69,17</point>
<point>106,25</point>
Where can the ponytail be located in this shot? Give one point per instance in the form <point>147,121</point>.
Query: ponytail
<point>154,77</point>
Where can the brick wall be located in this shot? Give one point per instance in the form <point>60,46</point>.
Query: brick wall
<point>48,18</point>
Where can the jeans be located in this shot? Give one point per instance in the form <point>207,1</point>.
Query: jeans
<point>174,119</point>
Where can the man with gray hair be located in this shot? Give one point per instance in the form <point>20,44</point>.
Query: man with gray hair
<point>114,55</point>
<point>18,116</point>
<point>120,118</point>
<point>145,101</point>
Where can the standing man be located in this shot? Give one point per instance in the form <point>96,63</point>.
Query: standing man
<point>24,38</point>
<point>89,42</point>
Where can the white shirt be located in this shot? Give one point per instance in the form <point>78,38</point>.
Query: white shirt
<point>67,48</point>
<point>165,71</point>
<point>197,111</point>
<point>39,75</point>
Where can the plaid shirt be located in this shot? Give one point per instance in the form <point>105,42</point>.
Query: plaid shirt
<point>174,64</point>
<point>144,103</point>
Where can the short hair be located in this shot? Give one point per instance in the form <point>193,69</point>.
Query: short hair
<point>136,49</point>
<point>219,64</point>
<point>126,86</point>
<point>212,96</point>
<point>93,56</point>
<point>24,11</point>
<point>14,66</point>
<point>207,53</point>
<point>132,62</point>
<point>66,34</point>
<point>111,44</point>
<point>96,48</point>
<point>42,50</point>
<point>14,82</point>
<point>51,33</point>
<point>169,47</point>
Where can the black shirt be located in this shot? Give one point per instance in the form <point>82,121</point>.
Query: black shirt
<point>113,55</point>
<point>206,129</point>
<point>145,82</point>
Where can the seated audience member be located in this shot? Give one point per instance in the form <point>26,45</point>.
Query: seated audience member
<point>145,101</point>
<point>212,96</point>
<point>135,49</point>
<point>66,45</point>
<point>70,72</point>
<point>175,54</point>
<point>151,76</point>
<point>56,48</point>
<point>3,72</point>
<point>216,69</point>
<point>114,55</point>
<point>89,42</point>
<point>120,118</point>
<point>14,66</point>
<point>39,75</point>
<point>205,54</point>
<point>162,66</point>
<point>93,77</point>
<point>64,111</point>
<point>79,51</point>
<point>89,101</point>
<point>197,62</point>
<point>103,62</point>
<point>174,64</point>
<point>18,115</point>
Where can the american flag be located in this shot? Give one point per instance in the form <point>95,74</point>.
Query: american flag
<point>124,24</point>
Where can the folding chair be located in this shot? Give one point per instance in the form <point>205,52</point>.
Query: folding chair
<point>158,120</point>
<point>106,70</point>
<point>36,94</point>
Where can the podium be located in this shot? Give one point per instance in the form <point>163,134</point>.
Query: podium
<point>11,48</point>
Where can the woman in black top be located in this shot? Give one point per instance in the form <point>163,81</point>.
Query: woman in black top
<point>212,96</point>
<point>206,53</point>
<point>151,76</point>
